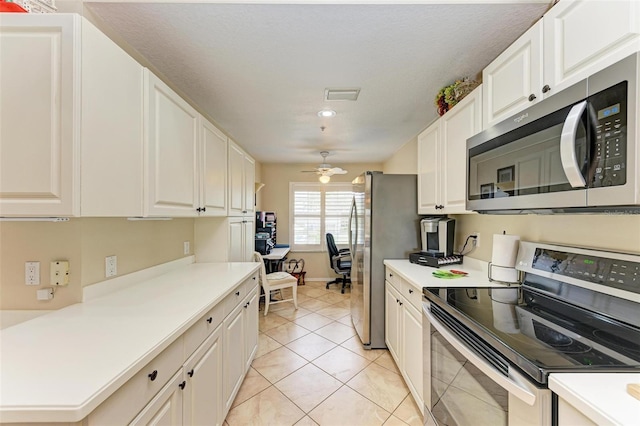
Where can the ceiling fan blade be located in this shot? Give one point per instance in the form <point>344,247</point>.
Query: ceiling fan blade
<point>308,171</point>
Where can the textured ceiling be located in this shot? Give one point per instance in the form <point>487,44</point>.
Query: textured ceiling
<point>260,70</point>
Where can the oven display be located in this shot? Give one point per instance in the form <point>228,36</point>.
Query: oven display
<point>621,274</point>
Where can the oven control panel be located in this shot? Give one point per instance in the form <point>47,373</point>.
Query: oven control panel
<point>617,270</point>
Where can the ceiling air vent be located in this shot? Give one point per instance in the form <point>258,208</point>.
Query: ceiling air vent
<point>341,94</point>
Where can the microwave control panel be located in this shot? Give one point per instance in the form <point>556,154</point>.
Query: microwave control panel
<point>610,147</point>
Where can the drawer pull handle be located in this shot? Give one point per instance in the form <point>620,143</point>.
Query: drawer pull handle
<point>400,303</point>
<point>532,97</point>
<point>190,373</point>
<point>153,375</point>
<point>410,291</point>
<point>237,293</point>
<point>390,275</point>
<point>209,320</point>
<point>546,88</point>
<point>254,278</point>
<point>182,385</point>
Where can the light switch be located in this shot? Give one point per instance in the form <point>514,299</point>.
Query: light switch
<point>60,272</point>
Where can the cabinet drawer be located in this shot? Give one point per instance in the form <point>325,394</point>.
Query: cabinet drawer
<point>235,298</point>
<point>412,294</point>
<point>126,402</point>
<point>393,278</point>
<point>202,328</point>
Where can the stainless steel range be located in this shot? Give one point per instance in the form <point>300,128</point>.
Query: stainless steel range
<point>492,349</point>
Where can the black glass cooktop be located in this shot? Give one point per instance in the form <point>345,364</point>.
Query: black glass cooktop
<point>537,332</point>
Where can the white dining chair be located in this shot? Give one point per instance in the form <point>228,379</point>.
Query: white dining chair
<point>275,281</point>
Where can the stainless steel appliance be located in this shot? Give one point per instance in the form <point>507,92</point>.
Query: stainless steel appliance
<point>492,349</point>
<point>576,150</point>
<point>437,235</point>
<point>384,224</point>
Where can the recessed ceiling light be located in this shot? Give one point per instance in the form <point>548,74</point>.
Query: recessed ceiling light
<point>326,113</point>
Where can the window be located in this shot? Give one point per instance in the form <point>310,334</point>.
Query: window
<point>318,209</point>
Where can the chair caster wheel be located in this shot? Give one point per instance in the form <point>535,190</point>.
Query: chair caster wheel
<point>327,287</point>
<point>342,291</point>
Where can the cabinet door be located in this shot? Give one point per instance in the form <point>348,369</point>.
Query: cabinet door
<point>460,123</point>
<point>39,101</point>
<point>165,408</point>
<point>249,184</point>
<point>111,131</point>
<point>203,391</point>
<point>248,239</point>
<point>251,323</point>
<point>171,129</point>
<point>392,321</point>
<point>213,171</point>
<point>583,37</point>
<point>412,351</point>
<point>234,358</point>
<point>428,166</point>
<point>513,81</point>
<point>236,180</point>
<point>236,240</point>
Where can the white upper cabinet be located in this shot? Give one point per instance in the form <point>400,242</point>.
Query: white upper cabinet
<point>84,154</point>
<point>442,151</point>
<point>513,81</point>
<point>213,171</point>
<point>583,37</point>
<point>241,181</point>
<point>428,169</point>
<point>573,40</point>
<point>171,147</point>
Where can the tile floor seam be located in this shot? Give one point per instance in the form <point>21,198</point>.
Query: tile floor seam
<point>364,396</point>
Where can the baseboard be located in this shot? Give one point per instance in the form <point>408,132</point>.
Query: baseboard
<point>103,288</point>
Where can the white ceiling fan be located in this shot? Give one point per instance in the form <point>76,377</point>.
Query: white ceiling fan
<point>324,170</point>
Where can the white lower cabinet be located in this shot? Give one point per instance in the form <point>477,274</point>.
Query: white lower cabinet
<point>240,343</point>
<point>195,380</point>
<point>203,384</point>
<point>403,332</point>
<point>568,415</point>
<point>166,407</point>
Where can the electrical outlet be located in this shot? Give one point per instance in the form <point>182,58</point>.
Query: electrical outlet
<point>187,247</point>
<point>32,273</point>
<point>477,234</point>
<point>59,272</point>
<point>110,266</point>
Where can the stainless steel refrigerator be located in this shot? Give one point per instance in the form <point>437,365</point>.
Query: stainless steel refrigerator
<point>383,224</point>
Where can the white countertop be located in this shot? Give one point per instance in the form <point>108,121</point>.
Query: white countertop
<point>62,365</point>
<point>420,276</point>
<point>602,397</point>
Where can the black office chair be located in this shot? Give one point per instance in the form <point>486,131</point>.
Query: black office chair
<point>340,262</point>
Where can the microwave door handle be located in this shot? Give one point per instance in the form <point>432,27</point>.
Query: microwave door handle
<point>514,384</point>
<point>568,146</point>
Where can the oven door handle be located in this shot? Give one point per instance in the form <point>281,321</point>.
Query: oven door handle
<point>568,146</point>
<point>515,384</point>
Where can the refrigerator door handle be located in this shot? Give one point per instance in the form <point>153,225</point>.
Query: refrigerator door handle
<point>353,215</point>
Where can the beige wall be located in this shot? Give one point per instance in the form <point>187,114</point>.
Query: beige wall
<point>84,242</point>
<point>621,233</point>
<point>275,197</point>
<point>404,161</point>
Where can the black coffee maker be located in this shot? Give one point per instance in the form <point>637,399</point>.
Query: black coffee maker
<point>437,235</point>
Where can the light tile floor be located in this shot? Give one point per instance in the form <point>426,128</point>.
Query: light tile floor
<point>311,369</point>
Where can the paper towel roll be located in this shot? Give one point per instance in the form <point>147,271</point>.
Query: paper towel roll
<point>503,274</point>
<point>505,250</point>
<point>505,295</point>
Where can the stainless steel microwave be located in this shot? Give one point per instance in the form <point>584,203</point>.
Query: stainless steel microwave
<point>572,152</point>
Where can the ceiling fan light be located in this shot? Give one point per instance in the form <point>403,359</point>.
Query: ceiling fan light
<point>324,179</point>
